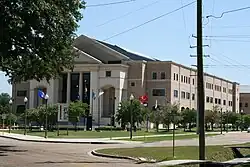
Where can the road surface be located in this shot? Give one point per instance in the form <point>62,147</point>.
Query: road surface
<point>29,154</point>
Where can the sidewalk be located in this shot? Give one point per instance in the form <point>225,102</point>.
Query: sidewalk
<point>162,135</point>
<point>29,138</point>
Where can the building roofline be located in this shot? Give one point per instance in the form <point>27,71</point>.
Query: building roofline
<point>193,69</point>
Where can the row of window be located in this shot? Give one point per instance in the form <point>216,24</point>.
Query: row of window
<point>162,75</point>
<point>246,105</point>
<point>218,101</point>
<point>184,95</point>
<point>218,88</point>
<point>184,79</point>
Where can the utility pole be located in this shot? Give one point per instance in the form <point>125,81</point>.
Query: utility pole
<point>200,82</point>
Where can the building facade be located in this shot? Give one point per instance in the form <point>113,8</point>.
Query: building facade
<point>245,99</point>
<point>102,67</point>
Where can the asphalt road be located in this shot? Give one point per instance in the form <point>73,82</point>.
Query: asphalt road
<point>30,154</point>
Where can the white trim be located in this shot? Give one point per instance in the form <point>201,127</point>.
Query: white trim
<point>85,54</point>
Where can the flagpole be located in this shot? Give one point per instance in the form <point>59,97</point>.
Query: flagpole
<point>99,108</point>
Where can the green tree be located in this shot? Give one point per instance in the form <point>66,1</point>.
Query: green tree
<point>234,119</point>
<point>37,36</point>
<point>156,116</point>
<point>188,117</point>
<point>211,117</point>
<point>124,112</point>
<point>246,120</point>
<point>51,113</point>
<point>76,110</point>
<point>4,103</point>
<point>166,115</point>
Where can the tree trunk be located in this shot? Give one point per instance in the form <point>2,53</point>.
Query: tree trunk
<point>168,127</point>
<point>157,126</point>
<point>206,127</point>
<point>212,124</point>
<point>75,126</point>
<point>190,126</point>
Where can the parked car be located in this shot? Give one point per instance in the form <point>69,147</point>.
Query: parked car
<point>248,130</point>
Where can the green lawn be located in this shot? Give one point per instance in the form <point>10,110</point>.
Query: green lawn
<point>92,134</point>
<point>216,153</point>
<point>162,138</point>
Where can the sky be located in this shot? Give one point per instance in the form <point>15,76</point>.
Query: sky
<point>170,37</point>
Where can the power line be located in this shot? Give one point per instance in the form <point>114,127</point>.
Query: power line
<point>227,40</point>
<point>227,36</point>
<point>129,13</point>
<point>149,21</point>
<point>111,3</point>
<point>185,24</point>
<point>229,11</point>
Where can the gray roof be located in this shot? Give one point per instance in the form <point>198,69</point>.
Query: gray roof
<point>131,55</point>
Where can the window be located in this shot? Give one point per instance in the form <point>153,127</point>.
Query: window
<point>208,99</point>
<point>224,90</point>
<point>158,92</point>
<point>193,81</point>
<point>240,105</point>
<point>216,101</point>
<point>177,77</point>
<point>174,76</point>
<point>230,91</point>
<point>219,101</point>
<point>181,78</point>
<point>163,75</point>
<point>189,80</point>
<point>182,95</point>
<point>211,100</point>
<point>154,75</point>
<point>246,104</point>
<point>132,84</point>
<point>184,79</point>
<point>193,96</point>
<point>21,93</point>
<point>188,95</point>
<point>224,102</point>
<point>108,73</point>
<point>175,93</point>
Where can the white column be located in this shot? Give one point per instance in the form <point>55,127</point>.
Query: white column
<point>94,87</point>
<point>68,88</point>
<point>50,90</point>
<point>118,96</point>
<point>31,98</point>
<point>80,85</point>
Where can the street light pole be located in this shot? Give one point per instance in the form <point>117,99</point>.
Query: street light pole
<point>46,115</point>
<point>131,115</point>
<point>227,121</point>
<point>200,83</point>
<point>241,120</point>
<point>173,134</point>
<point>25,119</point>
<point>10,102</point>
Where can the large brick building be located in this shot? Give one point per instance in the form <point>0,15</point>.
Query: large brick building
<point>119,73</point>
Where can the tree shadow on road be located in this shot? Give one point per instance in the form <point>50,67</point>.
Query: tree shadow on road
<point>5,149</point>
<point>72,162</point>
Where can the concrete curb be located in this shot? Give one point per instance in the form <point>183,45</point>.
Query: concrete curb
<point>137,160</point>
<point>93,152</point>
<point>69,142</point>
